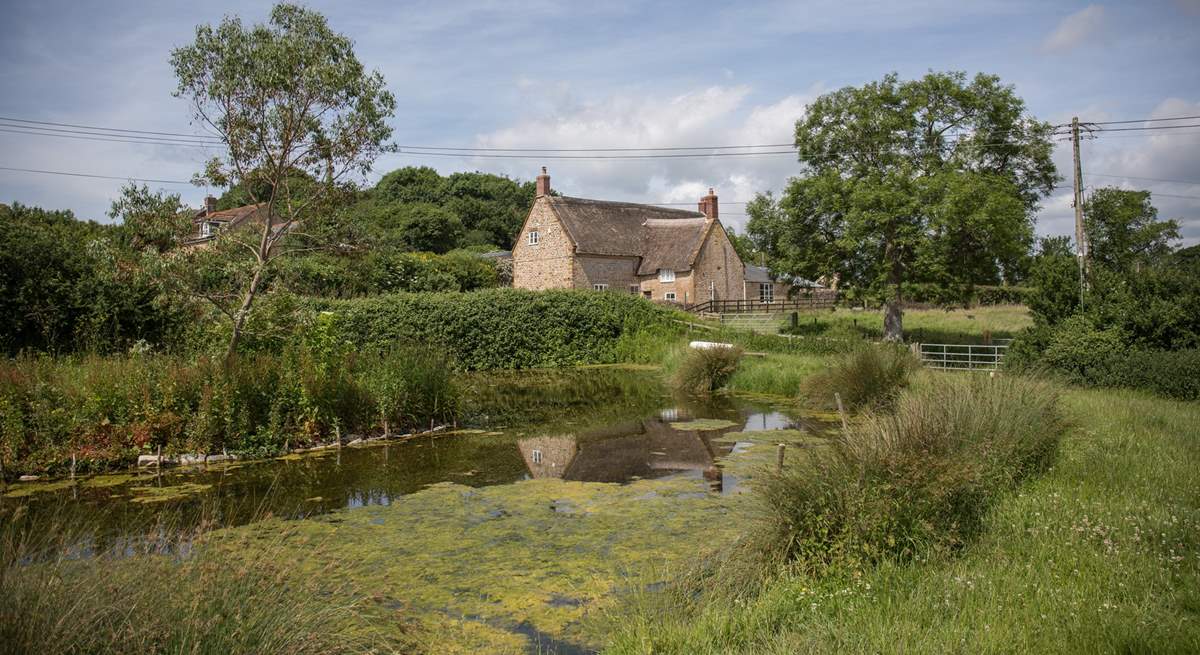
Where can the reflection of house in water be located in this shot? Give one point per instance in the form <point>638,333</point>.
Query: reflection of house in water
<point>648,448</point>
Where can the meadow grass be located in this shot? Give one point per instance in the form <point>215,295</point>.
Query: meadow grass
<point>867,377</point>
<point>924,325</point>
<point>1101,554</point>
<point>776,374</point>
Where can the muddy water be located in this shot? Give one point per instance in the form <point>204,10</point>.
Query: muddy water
<point>562,489</point>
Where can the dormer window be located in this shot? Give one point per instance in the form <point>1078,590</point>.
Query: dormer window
<point>534,237</point>
<point>208,229</point>
<point>666,275</point>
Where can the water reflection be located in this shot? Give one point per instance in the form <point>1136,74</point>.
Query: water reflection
<point>594,425</point>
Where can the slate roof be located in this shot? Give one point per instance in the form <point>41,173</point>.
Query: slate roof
<point>661,237</point>
<point>235,215</point>
<point>763,274</point>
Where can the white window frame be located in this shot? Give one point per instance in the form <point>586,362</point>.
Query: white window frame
<point>600,287</point>
<point>534,238</point>
<point>536,456</point>
<point>208,229</point>
<point>766,292</point>
<point>670,295</point>
<point>666,275</point>
<point>635,290</point>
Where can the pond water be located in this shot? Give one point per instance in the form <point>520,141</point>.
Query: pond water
<point>539,450</point>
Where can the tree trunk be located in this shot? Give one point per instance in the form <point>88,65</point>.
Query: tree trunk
<point>893,327</point>
<point>239,320</point>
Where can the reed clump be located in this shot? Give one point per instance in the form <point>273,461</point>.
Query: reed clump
<point>705,370</point>
<point>868,377</point>
<point>914,481</point>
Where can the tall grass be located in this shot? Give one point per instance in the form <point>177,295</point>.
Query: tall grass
<point>107,410</point>
<point>914,481</point>
<point>869,376</point>
<point>705,370</point>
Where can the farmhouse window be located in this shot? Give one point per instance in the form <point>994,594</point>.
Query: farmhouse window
<point>600,287</point>
<point>536,456</point>
<point>666,275</point>
<point>670,295</point>
<point>633,288</point>
<point>766,292</point>
<point>534,237</point>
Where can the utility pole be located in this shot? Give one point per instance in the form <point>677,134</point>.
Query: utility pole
<point>1081,245</point>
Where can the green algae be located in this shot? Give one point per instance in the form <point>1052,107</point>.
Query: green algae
<point>757,451</point>
<point>25,489</point>
<point>154,494</point>
<point>544,553</point>
<point>704,424</point>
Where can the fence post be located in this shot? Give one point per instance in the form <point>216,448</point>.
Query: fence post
<point>841,412</point>
<point>779,457</point>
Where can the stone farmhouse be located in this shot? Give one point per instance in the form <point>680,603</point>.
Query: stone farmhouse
<point>663,254</point>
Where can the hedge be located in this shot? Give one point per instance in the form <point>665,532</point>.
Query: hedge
<point>499,328</point>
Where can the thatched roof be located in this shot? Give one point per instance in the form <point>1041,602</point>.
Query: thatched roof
<point>660,237</point>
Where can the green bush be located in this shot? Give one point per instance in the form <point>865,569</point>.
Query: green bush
<point>499,328</point>
<point>913,482</point>
<point>705,370</point>
<point>870,376</point>
<point>1081,351</point>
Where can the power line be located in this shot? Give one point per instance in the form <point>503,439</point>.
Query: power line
<point>106,129</point>
<point>1146,120</point>
<point>114,140</point>
<point>54,131</point>
<point>102,177</point>
<point>1152,127</point>
<point>594,157</point>
<point>1147,179</point>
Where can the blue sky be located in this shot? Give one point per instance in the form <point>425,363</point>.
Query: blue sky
<point>619,74</point>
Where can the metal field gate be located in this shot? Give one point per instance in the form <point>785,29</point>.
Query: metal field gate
<point>964,357</point>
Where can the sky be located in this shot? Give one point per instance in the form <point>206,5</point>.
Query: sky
<point>613,74</point>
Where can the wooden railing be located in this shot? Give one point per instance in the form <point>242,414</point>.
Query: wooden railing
<point>815,301</point>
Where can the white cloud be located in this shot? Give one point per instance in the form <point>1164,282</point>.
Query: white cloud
<point>1075,29</point>
<point>716,115</point>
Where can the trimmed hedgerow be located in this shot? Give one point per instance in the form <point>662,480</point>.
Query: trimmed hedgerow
<point>499,328</point>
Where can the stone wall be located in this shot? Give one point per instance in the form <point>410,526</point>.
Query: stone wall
<point>547,265</point>
<point>719,265</point>
<point>682,286</point>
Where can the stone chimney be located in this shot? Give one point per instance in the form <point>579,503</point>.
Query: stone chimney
<point>543,184</point>
<point>708,205</point>
<point>210,205</point>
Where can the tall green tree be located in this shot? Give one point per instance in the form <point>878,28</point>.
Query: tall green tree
<point>929,180</point>
<point>288,98</point>
<point>1123,229</point>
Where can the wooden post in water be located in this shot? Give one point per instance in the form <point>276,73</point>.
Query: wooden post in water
<point>779,457</point>
<point>841,411</point>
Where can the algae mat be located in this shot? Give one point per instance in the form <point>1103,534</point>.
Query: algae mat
<point>519,567</point>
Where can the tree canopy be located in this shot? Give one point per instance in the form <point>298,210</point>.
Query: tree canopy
<point>929,180</point>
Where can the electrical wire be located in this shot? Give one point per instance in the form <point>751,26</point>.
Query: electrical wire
<point>102,177</point>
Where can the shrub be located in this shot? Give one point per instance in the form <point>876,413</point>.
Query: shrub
<point>913,482</point>
<point>870,376</point>
<point>1081,351</point>
<point>705,370</point>
<point>499,328</point>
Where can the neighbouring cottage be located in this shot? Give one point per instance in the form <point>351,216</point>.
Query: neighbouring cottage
<point>663,254</point>
<point>208,222</point>
<point>765,287</point>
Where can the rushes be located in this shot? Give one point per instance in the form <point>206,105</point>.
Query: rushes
<point>867,377</point>
<point>913,482</point>
<point>705,370</point>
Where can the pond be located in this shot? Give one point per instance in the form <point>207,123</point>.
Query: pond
<point>563,489</point>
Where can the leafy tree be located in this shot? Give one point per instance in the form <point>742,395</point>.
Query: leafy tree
<point>928,180</point>
<point>288,98</point>
<point>1123,229</point>
<point>153,221</point>
<point>411,184</point>
<point>416,226</point>
<point>1055,276</point>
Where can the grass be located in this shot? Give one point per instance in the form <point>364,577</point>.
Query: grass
<point>924,325</point>
<point>867,377</point>
<point>705,370</point>
<point>174,598</point>
<point>1101,554</point>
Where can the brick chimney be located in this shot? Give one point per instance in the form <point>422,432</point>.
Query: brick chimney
<point>210,205</point>
<point>708,204</point>
<point>543,184</point>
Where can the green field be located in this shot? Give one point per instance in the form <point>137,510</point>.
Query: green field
<point>925,325</point>
<point>1101,554</point>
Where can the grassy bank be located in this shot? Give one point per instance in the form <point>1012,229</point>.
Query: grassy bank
<point>1100,554</point>
<point>924,325</point>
